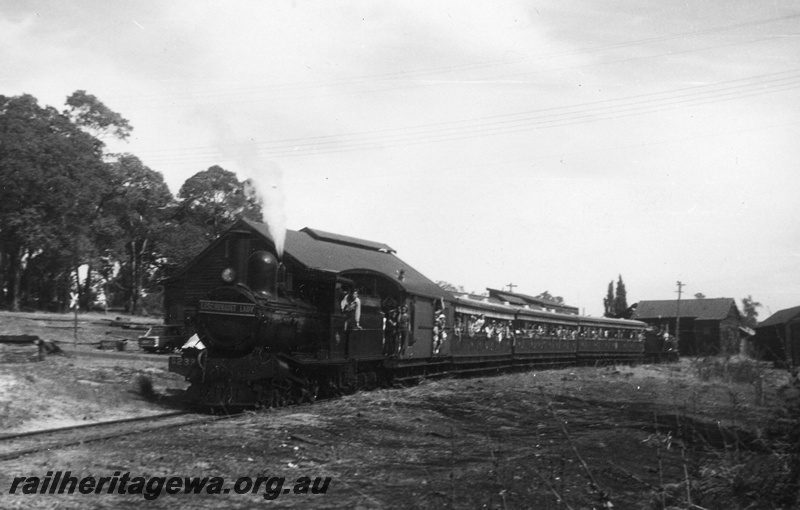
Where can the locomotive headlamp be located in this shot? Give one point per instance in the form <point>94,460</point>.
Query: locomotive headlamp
<point>228,274</point>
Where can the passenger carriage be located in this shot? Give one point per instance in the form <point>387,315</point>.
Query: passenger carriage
<point>546,336</point>
<point>610,339</point>
<point>482,331</point>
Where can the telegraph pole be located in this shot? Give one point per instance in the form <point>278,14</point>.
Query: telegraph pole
<point>511,287</point>
<point>678,315</point>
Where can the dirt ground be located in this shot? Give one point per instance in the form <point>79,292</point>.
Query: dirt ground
<point>72,388</point>
<point>69,390</point>
<point>85,333</point>
<point>717,433</point>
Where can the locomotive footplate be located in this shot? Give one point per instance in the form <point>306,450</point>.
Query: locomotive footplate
<point>249,368</point>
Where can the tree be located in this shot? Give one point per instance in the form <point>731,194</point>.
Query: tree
<point>179,243</point>
<point>616,304</point>
<point>214,199</point>
<point>139,207</point>
<point>53,177</point>
<point>621,301</point>
<point>449,286</point>
<point>609,300</point>
<point>750,311</point>
<point>700,295</point>
<point>549,297</point>
<point>88,112</point>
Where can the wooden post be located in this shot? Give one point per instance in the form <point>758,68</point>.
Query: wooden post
<point>74,305</point>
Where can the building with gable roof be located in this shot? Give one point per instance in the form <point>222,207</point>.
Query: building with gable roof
<point>707,325</point>
<point>778,337</point>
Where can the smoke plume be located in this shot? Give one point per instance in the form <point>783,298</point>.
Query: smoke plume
<point>264,180</point>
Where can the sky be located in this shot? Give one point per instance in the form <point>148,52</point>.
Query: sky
<point>551,145</point>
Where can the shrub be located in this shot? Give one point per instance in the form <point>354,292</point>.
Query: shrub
<point>730,370</point>
<point>144,385</point>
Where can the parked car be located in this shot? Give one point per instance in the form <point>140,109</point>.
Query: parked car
<point>162,339</point>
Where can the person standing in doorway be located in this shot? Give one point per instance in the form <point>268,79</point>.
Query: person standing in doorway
<point>403,329</point>
<point>351,307</point>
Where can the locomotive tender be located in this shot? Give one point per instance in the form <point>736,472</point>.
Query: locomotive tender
<point>272,330</point>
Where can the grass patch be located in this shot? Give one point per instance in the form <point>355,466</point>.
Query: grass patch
<point>730,370</point>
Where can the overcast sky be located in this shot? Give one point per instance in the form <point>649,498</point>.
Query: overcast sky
<point>549,144</point>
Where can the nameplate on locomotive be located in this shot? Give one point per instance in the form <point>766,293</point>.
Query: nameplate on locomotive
<point>227,308</point>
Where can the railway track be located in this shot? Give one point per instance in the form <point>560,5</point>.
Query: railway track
<point>17,445</point>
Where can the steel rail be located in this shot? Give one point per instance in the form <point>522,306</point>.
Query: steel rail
<point>103,436</point>
<point>6,437</point>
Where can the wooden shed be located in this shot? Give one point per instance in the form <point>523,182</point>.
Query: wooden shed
<point>707,326</point>
<point>778,337</point>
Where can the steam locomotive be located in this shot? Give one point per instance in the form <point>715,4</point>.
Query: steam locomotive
<point>268,330</point>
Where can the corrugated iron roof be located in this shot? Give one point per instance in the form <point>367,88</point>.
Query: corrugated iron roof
<point>466,303</point>
<point>517,298</point>
<point>780,317</point>
<point>511,298</point>
<point>469,303</point>
<point>703,309</point>
<point>335,253</point>
<point>321,235</point>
